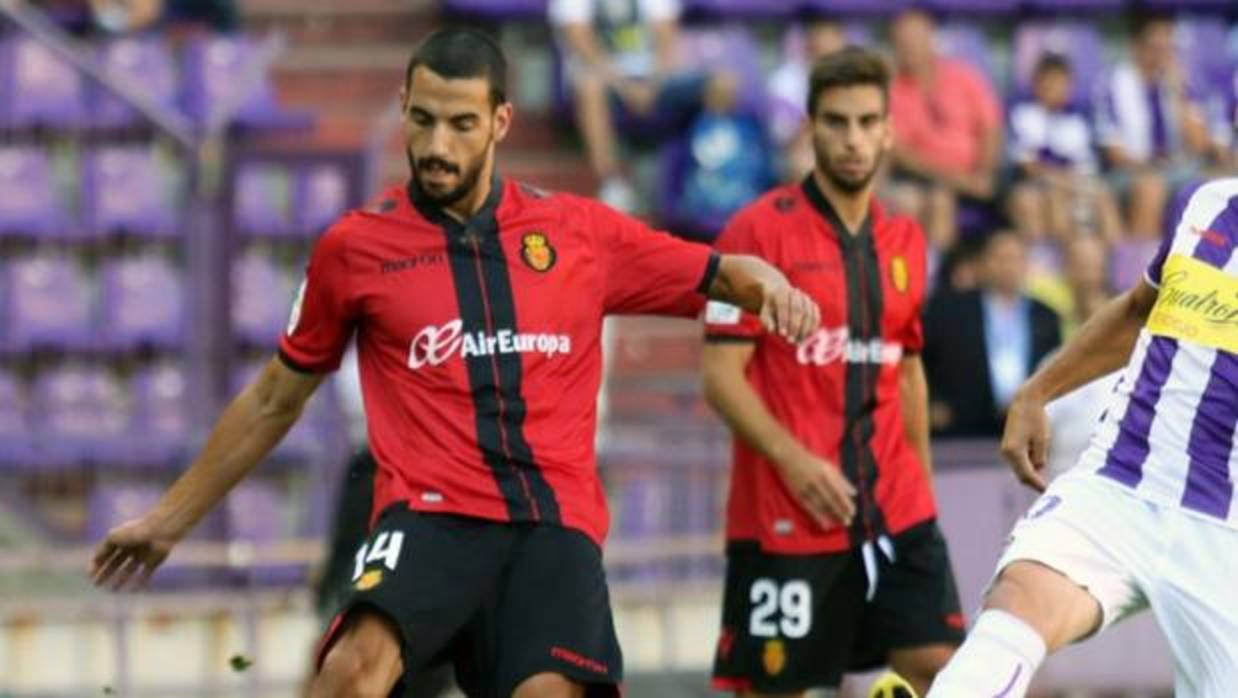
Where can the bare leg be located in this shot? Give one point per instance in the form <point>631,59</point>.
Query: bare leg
<point>548,685</point>
<point>364,662</point>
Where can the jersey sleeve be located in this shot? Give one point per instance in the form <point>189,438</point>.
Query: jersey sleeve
<point>649,271</point>
<point>725,322</point>
<point>323,314</point>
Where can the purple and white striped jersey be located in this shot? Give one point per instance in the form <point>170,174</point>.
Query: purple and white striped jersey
<point>1168,432</point>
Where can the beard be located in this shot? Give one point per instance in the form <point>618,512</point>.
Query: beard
<point>847,183</point>
<point>467,181</point>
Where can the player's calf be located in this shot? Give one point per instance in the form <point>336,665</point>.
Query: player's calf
<point>920,665</point>
<point>363,662</point>
<point>549,685</point>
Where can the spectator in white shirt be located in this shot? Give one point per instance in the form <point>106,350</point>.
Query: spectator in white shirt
<point>1151,128</point>
<point>1058,193</point>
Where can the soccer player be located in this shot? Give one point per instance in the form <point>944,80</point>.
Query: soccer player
<point>834,558</point>
<point>477,303</point>
<point>1146,517</point>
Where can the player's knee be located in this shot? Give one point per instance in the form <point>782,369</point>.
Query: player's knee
<point>364,663</point>
<point>1053,605</point>
<point>549,685</point>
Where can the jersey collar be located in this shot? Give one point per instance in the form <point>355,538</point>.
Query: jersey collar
<point>435,214</point>
<point>817,198</point>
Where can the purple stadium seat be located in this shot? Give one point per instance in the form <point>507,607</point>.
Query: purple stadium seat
<point>973,6</point>
<point>159,423</point>
<point>1079,42</point>
<point>142,303</point>
<point>129,188</point>
<point>28,201</point>
<point>81,415</point>
<point>256,514</point>
<point>262,200</point>
<point>17,447</point>
<point>1128,262</point>
<point>212,73</point>
<point>732,48</point>
<point>50,303</point>
<point>322,196</point>
<point>313,436</point>
<point>967,42</point>
<point>497,10</point>
<point>1211,71</point>
<point>1073,5</point>
<point>738,9</point>
<point>262,295</point>
<point>44,89</point>
<point>144,62</point>
<point>856,7</point>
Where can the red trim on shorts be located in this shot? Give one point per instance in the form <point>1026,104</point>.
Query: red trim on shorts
<point>328,639</point>
<point>725,683</point>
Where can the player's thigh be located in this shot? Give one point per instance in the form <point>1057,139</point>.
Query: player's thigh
<point>789,622</point>
<point>549,622</point>
<point>365,659</point>
<point>915,620</point>
<point>549,685</point>
<point>1073,563</point>
<point>428,575</point>
<point>1194,601</point>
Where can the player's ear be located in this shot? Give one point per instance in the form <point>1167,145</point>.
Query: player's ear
<point>502,120</point>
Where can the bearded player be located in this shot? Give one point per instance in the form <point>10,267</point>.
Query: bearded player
<point>477,304</point>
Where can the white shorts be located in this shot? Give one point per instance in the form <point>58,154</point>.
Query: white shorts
<point>1130,554</point>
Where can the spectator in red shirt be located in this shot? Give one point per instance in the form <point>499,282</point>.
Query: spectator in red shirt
<point>477,306</point>
<point>947,130</point>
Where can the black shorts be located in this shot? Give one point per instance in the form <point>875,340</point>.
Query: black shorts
<point>795,622</point>
<point>501,601</point>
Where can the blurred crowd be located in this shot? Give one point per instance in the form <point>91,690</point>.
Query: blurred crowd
<point>1041,195</point>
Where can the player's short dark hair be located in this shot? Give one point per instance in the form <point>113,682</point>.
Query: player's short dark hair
<point>848,67</point>
<point>1050,62</point>
<point>460,53</point>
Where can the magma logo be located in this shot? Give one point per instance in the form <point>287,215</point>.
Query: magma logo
<point>434,345</point>
<point>835,344</point>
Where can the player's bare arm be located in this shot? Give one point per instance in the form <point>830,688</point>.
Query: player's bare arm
<point>1103,345</point>
<point>255,421</point>
<point>758,287</point>
<point>819,486</point>
<point>913,397</point>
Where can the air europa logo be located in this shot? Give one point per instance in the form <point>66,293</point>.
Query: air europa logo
<point>835,344</point>
<point>434,345</point>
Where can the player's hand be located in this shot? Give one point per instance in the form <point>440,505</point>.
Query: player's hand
<point>820,488</point>
<point>130,554</point>
<point>790,313</point>
<point>1025,442</point>
<point>638,96</point>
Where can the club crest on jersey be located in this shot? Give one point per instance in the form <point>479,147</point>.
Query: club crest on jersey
<point>536,251</point>
<point>898,273</point>
<point>774,657</point>
<point>369,580</point>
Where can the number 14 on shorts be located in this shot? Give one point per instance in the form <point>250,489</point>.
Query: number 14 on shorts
<point>386,548</point>
<point>784,609</point>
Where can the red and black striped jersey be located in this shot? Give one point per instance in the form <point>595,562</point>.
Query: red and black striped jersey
<point>479,342</point>
<point>838,391</point>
